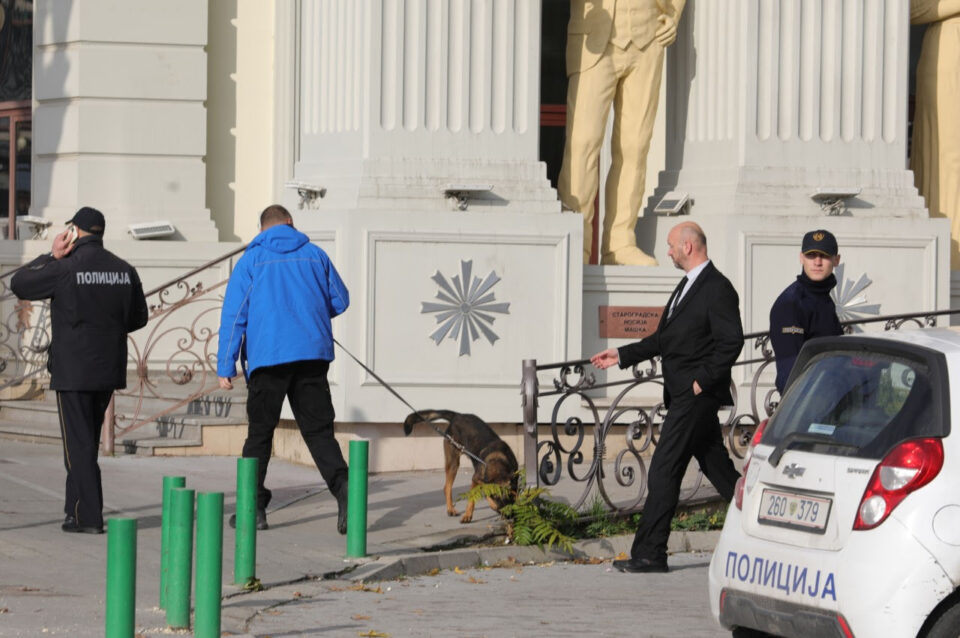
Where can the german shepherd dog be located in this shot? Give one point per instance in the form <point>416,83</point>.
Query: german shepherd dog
<point>480,440</point>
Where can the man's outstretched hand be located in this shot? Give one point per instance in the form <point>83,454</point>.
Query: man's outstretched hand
<point>605,359</point>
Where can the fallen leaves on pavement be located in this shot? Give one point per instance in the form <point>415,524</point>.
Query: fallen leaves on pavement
<point>357,587</point>
<point>593,560</point>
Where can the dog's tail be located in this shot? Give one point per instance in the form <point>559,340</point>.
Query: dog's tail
<point>426,415</point>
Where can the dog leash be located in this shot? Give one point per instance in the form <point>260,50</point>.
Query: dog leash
<point>445,435</point>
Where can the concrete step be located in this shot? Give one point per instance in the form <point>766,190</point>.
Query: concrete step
<point>44,402</point>
<point>26,412</point>
<point>35,432</point>
<point>148,446</point>
<point>39,421</point>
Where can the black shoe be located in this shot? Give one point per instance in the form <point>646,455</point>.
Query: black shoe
<point>641,566</point>
<point>342,508</point>
<point>70,526</point>
<point>261,520</point>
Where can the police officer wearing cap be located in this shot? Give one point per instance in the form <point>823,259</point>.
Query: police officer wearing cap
<point>96,299</point>
<point>805,310</point>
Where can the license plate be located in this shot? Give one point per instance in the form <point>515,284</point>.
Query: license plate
<point>808,513</point>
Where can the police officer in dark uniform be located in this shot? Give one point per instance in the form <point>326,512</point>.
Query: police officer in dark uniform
<point>95,299</point>
<point>805,310</point>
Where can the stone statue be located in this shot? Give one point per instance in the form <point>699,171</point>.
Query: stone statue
<point>935,156</point>
<point>614,56</point>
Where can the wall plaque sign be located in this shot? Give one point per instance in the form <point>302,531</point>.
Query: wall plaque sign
<point>628,322</point>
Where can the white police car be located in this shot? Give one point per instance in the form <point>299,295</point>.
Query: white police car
<point>847,519</point>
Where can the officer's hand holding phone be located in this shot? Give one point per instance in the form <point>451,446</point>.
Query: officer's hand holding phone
<point>64,242</point>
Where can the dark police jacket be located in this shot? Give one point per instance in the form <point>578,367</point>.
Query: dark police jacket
<point>95,299</point>
<point>803,311</point>
<point>699,342</point>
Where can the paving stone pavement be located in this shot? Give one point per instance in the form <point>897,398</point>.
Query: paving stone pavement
<point>553,599</point>
<point>53,583</point>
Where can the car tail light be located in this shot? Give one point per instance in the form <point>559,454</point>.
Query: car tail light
<point>738,490</point>
<point>907,468</point>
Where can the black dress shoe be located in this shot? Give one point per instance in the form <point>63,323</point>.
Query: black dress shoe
<point>70,526</point>
<point>261,520</point>
<point>342,508</point>
<point>641,566</point>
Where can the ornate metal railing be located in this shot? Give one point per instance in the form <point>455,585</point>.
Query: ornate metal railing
<point>173,357</point>
<point>605,443</point>
<point>24,337</point>
<point>178,344</point>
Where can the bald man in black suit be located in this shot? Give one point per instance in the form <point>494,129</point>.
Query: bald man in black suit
<point>698,339</point>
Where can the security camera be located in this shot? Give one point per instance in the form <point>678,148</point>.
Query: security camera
<point>833,199</point>
<point>308,193</point>
<point>461,194</point>
<point>32,227</point>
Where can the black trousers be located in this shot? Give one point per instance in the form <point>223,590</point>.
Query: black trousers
<point>691,429</point>
<point>81,419</point>
<point>305,383</point>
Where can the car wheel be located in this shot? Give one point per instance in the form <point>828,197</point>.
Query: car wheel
<point>947,624</point>
<point>744,632</point>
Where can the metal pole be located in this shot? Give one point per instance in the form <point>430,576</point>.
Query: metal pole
<point>245,547</point>
<point>181,557</point>
<point>121,576</point>
<point>357,500</point>
<point>109,423</point>
<point>169,483</point>
<point>209,580</point>
<point>529,388</point>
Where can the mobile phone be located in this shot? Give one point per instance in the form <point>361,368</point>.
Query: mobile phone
<point>72,236</point>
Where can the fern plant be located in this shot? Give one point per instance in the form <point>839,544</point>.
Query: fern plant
<point>531,518</point>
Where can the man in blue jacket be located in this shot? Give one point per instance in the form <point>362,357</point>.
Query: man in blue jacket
<point>276,311</point>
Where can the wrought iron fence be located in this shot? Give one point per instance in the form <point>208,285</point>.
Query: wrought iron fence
<point>24,337</point>
<point>176,349</point>
<point>605,443</point>
<point>178,344</point>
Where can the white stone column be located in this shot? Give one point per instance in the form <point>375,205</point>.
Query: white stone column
<point>773,99</point>
<point>769,101</point>
<point>399,100</point>
<point>119,120</point>
<point>400,97</point>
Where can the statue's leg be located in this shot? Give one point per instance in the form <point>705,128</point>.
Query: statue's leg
<point>635,110</point>
<point>589,96</point>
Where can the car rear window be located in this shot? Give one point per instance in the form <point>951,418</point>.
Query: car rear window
<point>860,403</point>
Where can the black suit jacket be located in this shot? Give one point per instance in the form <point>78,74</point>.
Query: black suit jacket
<point>699,342</point>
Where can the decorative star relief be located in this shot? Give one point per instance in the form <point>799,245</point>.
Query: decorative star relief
<point>464,313</point>
<point>849,298</point>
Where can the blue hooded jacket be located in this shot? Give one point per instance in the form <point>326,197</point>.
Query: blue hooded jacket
<point>280,299</point>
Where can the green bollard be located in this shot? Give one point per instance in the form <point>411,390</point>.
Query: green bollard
<point>357,500</point>
<point>181,558</point>
<point>121,576</point>
<point>169,483</point>
<point>245,541</point>
<point>208,589</point>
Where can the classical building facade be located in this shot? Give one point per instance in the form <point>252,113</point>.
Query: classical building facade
<point>418,142</point>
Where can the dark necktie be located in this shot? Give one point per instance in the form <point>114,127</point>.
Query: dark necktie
<point>676,296</point>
